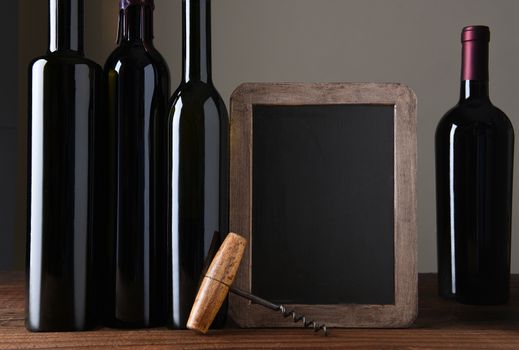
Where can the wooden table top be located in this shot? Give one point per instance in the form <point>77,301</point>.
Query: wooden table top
<point>440,325</point>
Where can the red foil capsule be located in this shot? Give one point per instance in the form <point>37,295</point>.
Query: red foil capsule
<point>475,41</point>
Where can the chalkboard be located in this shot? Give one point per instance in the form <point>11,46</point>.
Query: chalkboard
<point>322,210</point>
<point>323,187</point>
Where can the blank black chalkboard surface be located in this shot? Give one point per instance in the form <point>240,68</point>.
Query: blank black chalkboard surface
<point>323,187</point>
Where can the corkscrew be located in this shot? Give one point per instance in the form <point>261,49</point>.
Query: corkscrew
<point>286,313</point>
<point>217,283</point>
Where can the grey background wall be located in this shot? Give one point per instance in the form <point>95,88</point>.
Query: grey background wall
<point>415,42</point>
<point>8,132</point>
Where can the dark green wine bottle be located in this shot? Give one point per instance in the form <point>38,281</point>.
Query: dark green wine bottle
<point>198,165</point>
<point>64,104</point>
<point>138,91</point>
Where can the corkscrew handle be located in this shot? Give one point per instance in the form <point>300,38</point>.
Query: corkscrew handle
<point>216,283</point>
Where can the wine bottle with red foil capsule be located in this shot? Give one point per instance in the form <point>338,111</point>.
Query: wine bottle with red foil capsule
<point>474,164</point>
<point>138,91</point>
<point>65,100</point>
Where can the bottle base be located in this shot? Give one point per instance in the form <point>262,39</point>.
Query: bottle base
<point>57,328</point>
<point>447,295</point>
<point>133,325</point>
<point>481,301</point>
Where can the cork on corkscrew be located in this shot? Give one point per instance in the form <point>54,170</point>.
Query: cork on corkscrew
<point>217,283</point>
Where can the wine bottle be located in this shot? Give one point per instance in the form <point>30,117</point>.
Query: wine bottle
<point>64,99</point>
<point>474,163</point>
<point>138,91</point>
<point>198,165</point>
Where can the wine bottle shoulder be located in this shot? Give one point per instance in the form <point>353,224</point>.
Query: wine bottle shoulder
<point>196,93</point>
<point>475,114</point>
<point>64,61</point>
<point>197,98</point>
<point>136,57</point>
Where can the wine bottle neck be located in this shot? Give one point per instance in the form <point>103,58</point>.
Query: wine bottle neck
<point>136,23</point>
<point>474,66</point>
<point>474,89</point>
<point>66,26</point>
<point>196,38</point>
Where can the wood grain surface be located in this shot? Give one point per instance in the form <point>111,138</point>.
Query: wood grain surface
<point>440,325</point>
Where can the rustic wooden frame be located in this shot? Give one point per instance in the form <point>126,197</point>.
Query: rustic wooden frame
<point>404,311</point>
